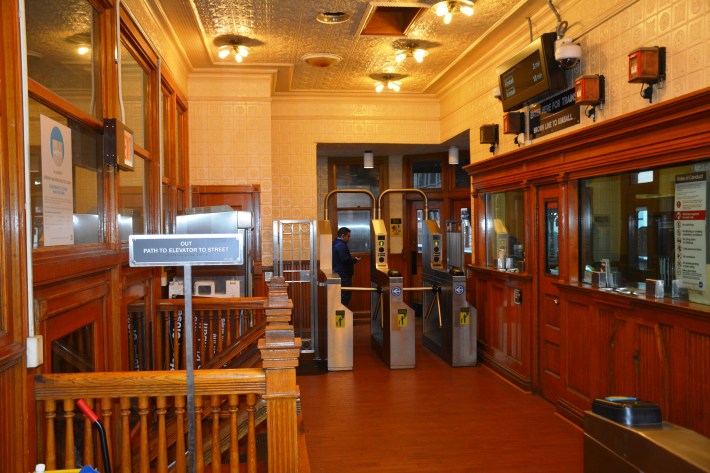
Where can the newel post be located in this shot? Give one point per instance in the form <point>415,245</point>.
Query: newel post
<point>279,352</point>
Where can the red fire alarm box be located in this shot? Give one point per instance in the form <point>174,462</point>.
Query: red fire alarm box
<point>589,90</point>
<point>513,123</point>
<point>647,65</point>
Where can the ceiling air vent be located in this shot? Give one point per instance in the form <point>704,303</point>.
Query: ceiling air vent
<point>389,21</point>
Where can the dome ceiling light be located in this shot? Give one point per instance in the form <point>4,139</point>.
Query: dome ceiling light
<point>333,17</point>
<point>450,7</point>
<point>321,59</point>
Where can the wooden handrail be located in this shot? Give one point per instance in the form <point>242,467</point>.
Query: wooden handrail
<point>149,383</point>
<point>139,404</point>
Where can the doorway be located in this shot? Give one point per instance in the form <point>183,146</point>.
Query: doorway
<point>549,313</point>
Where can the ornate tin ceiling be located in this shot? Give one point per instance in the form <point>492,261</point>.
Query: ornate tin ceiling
<point>281,32</point>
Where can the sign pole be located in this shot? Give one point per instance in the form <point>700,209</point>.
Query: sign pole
<point>190,369</point>
<point>187,251</point>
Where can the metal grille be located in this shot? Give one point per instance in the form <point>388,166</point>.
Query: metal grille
<point>295,259</point>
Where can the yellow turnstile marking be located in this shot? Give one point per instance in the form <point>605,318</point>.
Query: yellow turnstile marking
<point>464,316</point>
<point>402,319</point>
<point>339,319</point>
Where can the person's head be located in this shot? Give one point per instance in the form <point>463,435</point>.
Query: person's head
<point>344,233</point>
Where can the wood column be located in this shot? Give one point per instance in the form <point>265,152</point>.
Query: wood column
<point>279,352</point>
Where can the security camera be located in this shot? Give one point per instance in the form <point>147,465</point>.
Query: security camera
<point>496,93</point>
<point>567,54</point>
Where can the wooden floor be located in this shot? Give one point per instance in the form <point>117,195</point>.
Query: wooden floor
<point>432,418</point>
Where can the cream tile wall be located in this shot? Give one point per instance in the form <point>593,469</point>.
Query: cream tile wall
<point>230,137</point>
<point>608,31</point>
<point>299,123</point>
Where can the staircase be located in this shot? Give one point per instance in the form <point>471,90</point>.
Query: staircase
<point>144,412</point>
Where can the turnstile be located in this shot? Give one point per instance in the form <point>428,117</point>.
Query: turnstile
<point>338,319</point>
<point>449,326</point>
<point>392,324</point>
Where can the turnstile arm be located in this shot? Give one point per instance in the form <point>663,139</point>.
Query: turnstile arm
<point>436,289</point>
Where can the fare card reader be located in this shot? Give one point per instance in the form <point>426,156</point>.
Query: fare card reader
<point>392,325</point>
<point>449,324</point>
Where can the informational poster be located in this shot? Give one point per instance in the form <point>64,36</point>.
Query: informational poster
<point>396,227</point>
<point>57,193</point>
<point>691,230</point>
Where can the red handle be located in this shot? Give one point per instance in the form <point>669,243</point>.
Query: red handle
<point>88,412</point>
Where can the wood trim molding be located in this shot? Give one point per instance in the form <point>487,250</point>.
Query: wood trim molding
<point>665,133</point>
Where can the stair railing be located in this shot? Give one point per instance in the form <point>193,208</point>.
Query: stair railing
<point>130,403</point>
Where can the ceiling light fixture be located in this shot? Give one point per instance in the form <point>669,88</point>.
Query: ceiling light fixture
<point>82,41</point>
<point>387,80</point>
<point>410,50</point>
<point>368,160</point>
<point>333,17</point>
<point>239,50</point>
<point>321,59</point>
<point>449,7</point>
<point>453,155</point>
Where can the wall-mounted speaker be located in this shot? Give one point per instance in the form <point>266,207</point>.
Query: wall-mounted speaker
<point>489,134</point>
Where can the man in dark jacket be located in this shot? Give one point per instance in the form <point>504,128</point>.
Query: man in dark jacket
<point>343,263</point>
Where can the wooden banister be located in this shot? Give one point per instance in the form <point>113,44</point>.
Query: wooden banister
<point>279,353</point>
<point>144,412</point>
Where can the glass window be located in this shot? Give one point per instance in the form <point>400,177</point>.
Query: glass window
<point>179,146</point>
<point>466,230</point>
<point>461,177</point>
<point>134,87</point>
<point>165,152</point>
<point>426,174</point>
<point>354,176</point>
<point>552,238</point>
<point>648,225</point>
<point>166,222</point>
<point>59,217</point>
<point>63,46</point>
<point>505,229</point>
<point>134,199</point>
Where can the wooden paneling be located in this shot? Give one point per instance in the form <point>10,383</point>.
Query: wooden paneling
<point>504,326</point>
<point>634,346</point>
<point>610,343</point>
<point>15,447</point>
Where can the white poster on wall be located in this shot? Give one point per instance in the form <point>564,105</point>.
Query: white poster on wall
<point>57,188</point>
<point>691,230</point>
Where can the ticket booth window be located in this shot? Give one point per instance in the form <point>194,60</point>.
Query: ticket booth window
<point>648,226</point>
<point>505,229</point>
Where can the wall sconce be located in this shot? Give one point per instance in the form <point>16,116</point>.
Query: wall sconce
<point>489,135</point>
<point>648,66</point>
<point>589,90</point>
<point>453,155</point>
<point>368,160</point>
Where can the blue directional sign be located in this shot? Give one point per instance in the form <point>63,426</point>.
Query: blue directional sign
<point>396,291</point>
<point>459,289</point>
